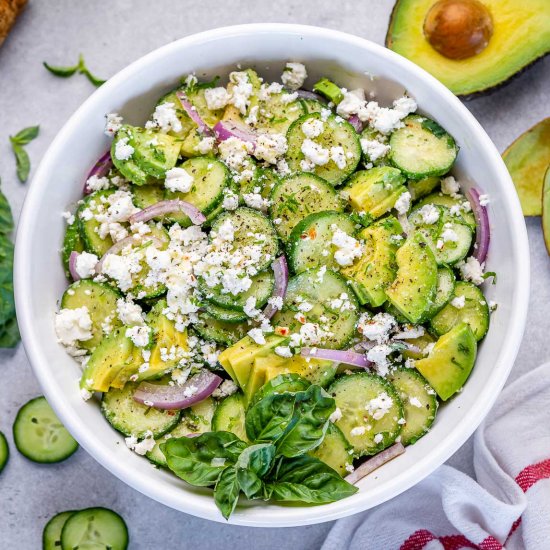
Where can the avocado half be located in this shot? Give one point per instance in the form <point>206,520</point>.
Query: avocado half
<point>521,36</point>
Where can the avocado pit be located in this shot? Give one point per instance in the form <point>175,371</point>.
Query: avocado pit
<point>458,29</point>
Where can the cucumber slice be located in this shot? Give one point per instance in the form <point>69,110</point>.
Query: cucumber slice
<point>225,315</point>
<point>439,199</point>
<point>155,153</point>
<point>146,195</point>
<point>423,187</point>
<point>100,299</point>
<point>248,224</point>
<point>266,179</point>
<point>298,196</point>
<point>39,435</point>
<point>71,242</point>
<point>194,420</point>
<point>132,418</point>
<point>89,229</point>
<point>51,536</point>
<point>288,382</point>
<point>261,289</point>
<point>229,416</point>
<point>475,312</point>
<point>94,528</point>
<point>443,291</point>
<point>220,332</point>
<point>4,451</point>
<point>336,133</point>
<point>210,178</point>
<point>310,243</point>
<point>422,148</point>
<point>128,168</point>
<point>320,289</point>
<point>274,116</point>
<point>358,396</point>
<point>370,134</point>
<point>419,403</point>
<point>312,106</point>
<point>335,450</point>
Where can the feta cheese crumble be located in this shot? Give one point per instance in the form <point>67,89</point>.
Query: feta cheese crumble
<point>113,123</point>
<point>403,203</point>
<point>471,270</point>
<point>139,334</point>
<point>123,150</point>
<point>178,180</point>
<point>348,248</point>
<point>216,98</point>
<point>73,325</point>
<point>85,265</point>
<point>165,118</point>
<point>294,75</point>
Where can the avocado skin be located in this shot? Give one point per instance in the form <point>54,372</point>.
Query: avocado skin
<point>479,93</point>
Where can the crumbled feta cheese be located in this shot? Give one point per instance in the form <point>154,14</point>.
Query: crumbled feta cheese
<point>142,447</point>
<point>230,200</point>
<point>352,103</point>
<point>429,214</point>
<point>206,145</point>
<point>178,180</point>
<point>484,200</point>
<point>139,334</point>
<point>405,106</point>
<point>378,438</point>
<point>338,156</point>
<point>95,183</point>
<point>216,98</point>
<point>283,351</point>
<point>403,203</point>
<point>276,302</point>
<point>449,186</point>
<point>348,248</point>
<point>85,265</point>
<point>123,150</point>
<point>447,236</point>
<point>374,149</point>
<point>257,335</point>
<point>335,416</point>
<point>458,302</point>
<point>256,201</point>
<point>129,312</point>
<point>270,147</point>
<point>379,406</point>
<point>294,75</point>
<point>415,402</point>
<point>358,430</point>
<point>225,389</point>
<point>313,127</point>
<point>68,217</point>
<point>73,325</point>
<point>85,394</point>
<point>165,118</point>
<point>234,152</point>
<point>472,270</point>
<point>241,91</point>
<point>250,307</point>
<point>112,124</point>
<point>379,356</point>
<point>315,153</point>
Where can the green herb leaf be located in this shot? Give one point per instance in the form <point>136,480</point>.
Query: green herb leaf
<point>63,72</point>
<point>93,79</point>
<point>9,334</point>
<point>249,482</point>
<point>267,420</point>
<point>25,136</point>
<point>306,479</point>
<point>6,218</point>
<point>7,302</point>
<point>433,127</point>
<point>22,161</point>
<point>226,493</point>
<point>200,460</point>
<point>257,458</point>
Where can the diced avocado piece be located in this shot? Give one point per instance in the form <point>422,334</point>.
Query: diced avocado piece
<point>128,167</point>
<point>131,366</point>
<point>418,346</point>
<point>329,90</point>
<point>413,290</point>
<point>546,209</point>
<point>316,371</point>
<point>113,354</point>
<point>423,187</point>
<point>527,159</point>
<point>376,269</point>
<point>256,379</point>
<point>449,364</point>
<point>155,153</point>
<point>165,335</point>
<point>375,191</point>
<point>515,34</point>
<point>189,146</point>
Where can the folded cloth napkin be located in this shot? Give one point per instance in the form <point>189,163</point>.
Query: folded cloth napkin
<point>509,505</point>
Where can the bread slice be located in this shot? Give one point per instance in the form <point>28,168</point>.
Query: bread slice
<point>9,10</point>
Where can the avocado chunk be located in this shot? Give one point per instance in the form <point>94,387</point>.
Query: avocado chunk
<point>316,371</point>
<point>376,269</point>
<point>449,364</point>
<point>128,167</point>
<point>521,35</point>
<point>527,159</point>
<point>413,290</point>
<point>155,153</point>
<point>375,191</point>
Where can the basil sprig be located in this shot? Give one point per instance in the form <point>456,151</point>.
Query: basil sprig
<point>80,68</point>
<point>281,428</point>
<point>18,141</point>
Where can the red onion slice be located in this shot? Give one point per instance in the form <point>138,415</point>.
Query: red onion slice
<point>100,169</point>
<point>375,462</point>
<point>72,265</point>
<point>339,356</point>
<point>280,270</point>
<point>306,94</point>
<point>356,123</point>
<point>167,207</point>
<point>483,231</point>
<point>127,241</point>
<point>197,388</point>
<point>226,129</point>
<point>191,110</point>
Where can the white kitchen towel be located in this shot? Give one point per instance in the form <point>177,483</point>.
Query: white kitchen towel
<point>509,505</point>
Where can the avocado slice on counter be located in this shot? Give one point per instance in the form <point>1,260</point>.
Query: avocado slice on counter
<point>527,159</point>
<point>471,46</point>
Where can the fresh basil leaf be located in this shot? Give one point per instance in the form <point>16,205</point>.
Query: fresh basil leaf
<point>9,334</point>
<point>6,217</point>
<point>200,460</point>
<point>25,136</point>
<point>22,161</point>
<point>257,458</point>
<point>226,493</point>
<point>93,79</point>
<point>267,420</point>
<point>63,72</point>
<point>249,482</point>
<point>306,479</point>
<point>311,417</point>
<point>7,302</point>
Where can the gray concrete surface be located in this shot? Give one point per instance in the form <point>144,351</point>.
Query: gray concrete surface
<point>111,34</point>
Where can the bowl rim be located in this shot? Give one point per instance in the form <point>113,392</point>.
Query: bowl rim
<point>279,516</point>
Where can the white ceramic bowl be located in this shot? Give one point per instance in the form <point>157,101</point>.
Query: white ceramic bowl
<point>351,61</point>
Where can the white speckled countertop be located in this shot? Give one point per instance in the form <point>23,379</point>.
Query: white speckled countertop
<point>111,34</point>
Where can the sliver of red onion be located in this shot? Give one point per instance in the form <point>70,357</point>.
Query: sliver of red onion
<point>375,462</point>
<point>483,230</point>
<point>100,169</point>
<point>280,270</point>
<point>168,207</point>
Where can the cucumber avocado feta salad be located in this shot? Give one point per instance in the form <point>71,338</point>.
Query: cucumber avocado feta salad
<point>272,284</point>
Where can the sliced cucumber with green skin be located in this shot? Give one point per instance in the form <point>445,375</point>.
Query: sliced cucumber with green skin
<point>288,382</point>
<point>422,148</point>
<point>475,312</point>
<point>298,196</point>
<point>4,451</point>
<point>261,289</point>
<point>248,224</point>
<point>100,300</point>
<point>51,536</point>
<point>194,420</point>
<point>423,187</point>
<point>266,179</point>
<point>229,416</point>
<point>371,134</point>
<point>443,291</point>
<point>312,106</point>
<point>439,199</point>
<point>275,116</point>
<point>357,396</point>
<point>221,332</point>
<point>132,418</point>
<point>336,133</point>
<point>128,168</point>
<point>89,228</point>
<point>39,435</point>
<point>71,243</point>
<point>319,289</point>
<point>155,153</point>
<point>210,178</point>
<point>147,195</point>
<point>94,528</point>
<point>335,450</point>
<point>419,403</point>
<point>224,314</point>
<point>310,243</point>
